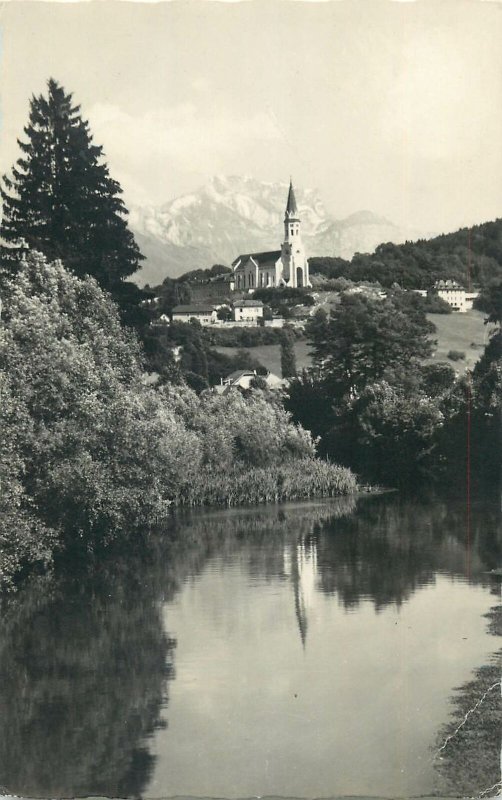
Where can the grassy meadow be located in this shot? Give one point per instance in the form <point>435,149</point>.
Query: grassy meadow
<point>465,332</point>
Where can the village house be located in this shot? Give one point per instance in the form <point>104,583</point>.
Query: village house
<point>248,311</point>
<point>455,295</point>
<point>206,315</point>
<point>288,266</point>
<point>243,378</point>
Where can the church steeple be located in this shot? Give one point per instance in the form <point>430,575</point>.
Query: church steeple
<point>295,270</point>
<point>291,207</point>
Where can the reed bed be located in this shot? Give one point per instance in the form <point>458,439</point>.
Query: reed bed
<point>296,480</point>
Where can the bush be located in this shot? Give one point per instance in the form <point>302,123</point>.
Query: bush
<point>456,355</point>
<point>298,480</point>
<point>284,296</point>
<point>433,304</point>
<point>89,453</point>
<point>244,337</point>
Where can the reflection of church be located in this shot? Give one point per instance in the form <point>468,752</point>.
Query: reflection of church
<point>300,563</point>
<point>288,266</point>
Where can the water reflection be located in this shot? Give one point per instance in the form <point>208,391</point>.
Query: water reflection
<point>86,665</point>
<point>83,676</point>
<point>468,755</point>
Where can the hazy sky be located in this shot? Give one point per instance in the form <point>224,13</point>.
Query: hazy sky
<point>390,106</point>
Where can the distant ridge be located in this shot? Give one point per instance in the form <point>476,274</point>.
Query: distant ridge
<point>237,214</point>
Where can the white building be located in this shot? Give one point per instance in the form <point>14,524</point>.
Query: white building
<point>248,311</point>
<point>288,266</point>
<point>455,295</point>
<point>206,315</point>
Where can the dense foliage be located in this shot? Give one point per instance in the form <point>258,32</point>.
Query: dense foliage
<point>466,255</point>
<point>203,275</point>
<point>89,453</point>
<point>280,296</point>
<point>380,410</point>
<point>288,357</point>
<point>61,200</point>
<point>197,362</point>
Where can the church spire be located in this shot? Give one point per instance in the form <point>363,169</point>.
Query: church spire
<point>291,207</point>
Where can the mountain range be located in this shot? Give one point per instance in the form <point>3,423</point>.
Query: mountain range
<point>232,215</point>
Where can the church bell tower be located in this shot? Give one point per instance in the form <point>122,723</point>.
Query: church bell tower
<point>295,269</point>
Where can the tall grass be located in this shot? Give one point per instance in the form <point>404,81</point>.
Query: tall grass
<point>295,480</point>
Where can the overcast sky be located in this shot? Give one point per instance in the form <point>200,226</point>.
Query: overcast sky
<point>390,106</point>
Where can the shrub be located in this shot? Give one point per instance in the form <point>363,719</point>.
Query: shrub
<point>456,355</point>
<point>298,480</point>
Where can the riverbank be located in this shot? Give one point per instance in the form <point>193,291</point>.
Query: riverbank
<point>298,480</point>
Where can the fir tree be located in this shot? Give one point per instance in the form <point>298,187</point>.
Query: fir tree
<point>60,198</point>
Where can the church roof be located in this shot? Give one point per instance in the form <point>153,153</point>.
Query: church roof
<point>291,207</point>
<point>270,256</point>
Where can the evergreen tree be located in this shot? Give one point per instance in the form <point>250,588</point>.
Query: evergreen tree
<point>60,198</point>
<point>288,358</point>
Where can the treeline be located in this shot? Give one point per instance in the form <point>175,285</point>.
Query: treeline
<point>376,407</point>
<point>468,255</point>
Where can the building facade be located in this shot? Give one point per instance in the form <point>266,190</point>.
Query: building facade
<point>206,315</point>
<point>249,311</point>
<point>285,267</point>
<point>455,295</point>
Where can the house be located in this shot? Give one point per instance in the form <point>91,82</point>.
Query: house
<point>455,295</point>
<point>206,315</point>
<point>242,378</point>
<point>288,266</point>
<point>248,311</point>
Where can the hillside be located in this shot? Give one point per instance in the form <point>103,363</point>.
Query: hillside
<point>469,256</point>
<point>464,332</point>
<point>231,215</point>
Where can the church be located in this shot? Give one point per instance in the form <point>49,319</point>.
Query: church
<point>288,266</point>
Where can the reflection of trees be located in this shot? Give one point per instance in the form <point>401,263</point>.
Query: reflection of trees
<point>467,757</point>
<point>83,677</point>
<point>392,547</point>
<point>85,662</point>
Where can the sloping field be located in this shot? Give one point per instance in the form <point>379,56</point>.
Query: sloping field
<point>465,332</point>
<point>270,355</point>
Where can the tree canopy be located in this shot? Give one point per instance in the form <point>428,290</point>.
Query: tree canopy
<point>363,337</point>
<point>60,198</point>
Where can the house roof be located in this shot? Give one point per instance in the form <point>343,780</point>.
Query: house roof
<point>193,310</point>
<point>250,304</point>
<point>268,257</point>
<point>240,373</point>
<point>449,284</point>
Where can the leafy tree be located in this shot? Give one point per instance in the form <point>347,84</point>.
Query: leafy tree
<point>288,296</point>
<point>224,313</point>
<point>88,453</point>
<point>395,433</point>
<point>288,357</point>
<point>363,337</point>
<point>490,301</point>
<point>60,198</point>
<point>437,379</point>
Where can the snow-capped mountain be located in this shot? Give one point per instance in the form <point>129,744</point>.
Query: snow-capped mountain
<point>232,215</point>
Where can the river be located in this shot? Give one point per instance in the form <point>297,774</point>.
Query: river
<point>310,650</point>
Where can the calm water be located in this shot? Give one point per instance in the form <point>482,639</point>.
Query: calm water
<point>306,650</point>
